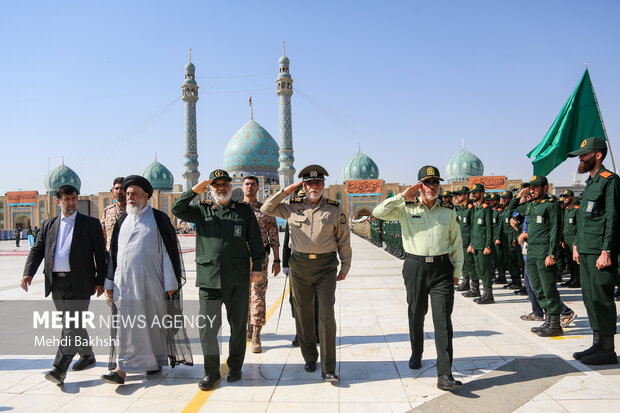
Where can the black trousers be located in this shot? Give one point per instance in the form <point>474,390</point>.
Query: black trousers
<point>435,279</point>
<point>74,335</point>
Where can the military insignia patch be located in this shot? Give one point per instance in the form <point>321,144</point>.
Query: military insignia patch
<point>430,171</point>
<point>343,219</point>
<point>533,178</point>
<point>590,206</point>
<point>237,230</point>
<point>583,143</point>
<point>313,174</point>
<point>300,211</point>
<point>606,174</point>
<point>329,201</point>
<point>218,173</point>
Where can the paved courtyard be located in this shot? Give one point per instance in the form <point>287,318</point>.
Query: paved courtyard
<point>504,367</point>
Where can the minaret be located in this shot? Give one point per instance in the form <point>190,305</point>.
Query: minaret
<point>285,91</point>
<point>190,97</point>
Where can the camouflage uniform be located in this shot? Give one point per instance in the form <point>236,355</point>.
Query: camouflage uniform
<point>110,214</point>
<point>258,289</point>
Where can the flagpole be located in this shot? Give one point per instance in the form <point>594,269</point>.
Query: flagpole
<point>613,162</point>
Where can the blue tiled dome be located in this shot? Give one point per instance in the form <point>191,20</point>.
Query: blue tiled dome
<point>159,176</point>
<point>283,59</point>
<point>360,166</point>
<point>189,82</point>
<point>61,175</point>
<point>190,66</point>
<point>463,165</point>
<point>251,149</point>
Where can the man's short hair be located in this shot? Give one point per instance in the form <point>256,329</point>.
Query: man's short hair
<point>118,180</point>
<point>252,177</point>
<point>66,190</point>
<point>603,152</point>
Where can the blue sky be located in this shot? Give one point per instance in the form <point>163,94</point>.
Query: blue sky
<point>99,82</point>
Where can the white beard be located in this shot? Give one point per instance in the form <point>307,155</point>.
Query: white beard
<point>221,199</point>
<point>133,210</point>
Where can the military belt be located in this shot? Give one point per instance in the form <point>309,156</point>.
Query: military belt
<point>313,256</point>
<point>422,258</point>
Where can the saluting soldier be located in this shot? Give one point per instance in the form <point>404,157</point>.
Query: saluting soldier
<point>463,216</point>
<point>434,257</point>
<point>481,242</point>
<point>596,249</point>
<point>318,229</point>
<point>544,226</point>
<point>227,236</point>
<point>508,243</point>
<point>569,231</point>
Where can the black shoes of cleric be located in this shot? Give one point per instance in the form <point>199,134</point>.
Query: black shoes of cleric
<point>415,362</point>
<point>208,381</point>
<point>56,376</point>
<point>447,382</point>
<point>234,375</point>
<point>330,377</point>
<point>112,378</point>
<point>310,366</point>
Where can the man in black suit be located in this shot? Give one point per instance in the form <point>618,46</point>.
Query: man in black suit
<point>75,265</point>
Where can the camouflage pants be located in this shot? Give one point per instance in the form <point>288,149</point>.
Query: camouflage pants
<point>258,289</point>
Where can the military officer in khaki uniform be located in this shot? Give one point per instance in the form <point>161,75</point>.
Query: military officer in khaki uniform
<point>434,257</point>
<point>596,250</point>
<point>318,228</point>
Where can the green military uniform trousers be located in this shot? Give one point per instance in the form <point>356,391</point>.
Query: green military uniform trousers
<point>483,267</point>
<point>544,283</point>
<point>236,298</point>
<point>511,259</point>
<point>469,266</point>
<point>573,267</point>
<point>597,287</point>
<point>315,279</point>
<point>435,279</point>
<point>498,260</point>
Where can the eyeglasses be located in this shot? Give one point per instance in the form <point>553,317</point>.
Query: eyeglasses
<point>434,182</point>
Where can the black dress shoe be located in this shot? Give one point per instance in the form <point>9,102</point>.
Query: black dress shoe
<point>447,382</point>
<point>208,381</point>
<point>415,362</point>
<point>84,362</point>
<point>234,375</point>
<point>295,342</point>
<point>113,378</point>
<point>310,366</point>
<point>56,376</point>
<point>151,372</point>
<point>330,377</point>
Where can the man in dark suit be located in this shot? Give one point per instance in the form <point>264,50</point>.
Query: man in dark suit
<point>75,265</point>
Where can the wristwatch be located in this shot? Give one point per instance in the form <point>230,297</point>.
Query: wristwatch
<point>277,261</point>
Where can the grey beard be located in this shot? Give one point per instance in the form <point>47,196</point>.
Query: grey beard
<point>133,210</point>
<point>221,199</point>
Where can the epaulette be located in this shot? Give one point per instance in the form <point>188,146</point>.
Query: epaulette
<point>207,202</point>
<point>415,200</point>
<point>484,205</point>
<point>576,207</point>
<point>243,203</point>
<point>296,200</point>
<point>332,202</point>
<point>470,206</point>
<point>446,205</point>
<point>606,174</point>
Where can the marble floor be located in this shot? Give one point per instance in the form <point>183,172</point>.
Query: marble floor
<point>504,367</point>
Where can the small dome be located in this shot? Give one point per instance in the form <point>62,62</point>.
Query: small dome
<point>251,149</point>
<point>190,66</point>
<point>159,176</point>
<point>360,166</point>
<point>284,59</point>
<point>189,82</point>
<point>463,165</point>
<point>286,75</point>
<point>61,175</point>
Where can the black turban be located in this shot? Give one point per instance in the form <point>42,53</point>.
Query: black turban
<point>140,181</point>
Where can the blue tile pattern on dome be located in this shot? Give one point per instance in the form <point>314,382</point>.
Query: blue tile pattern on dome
<point>360,166</point>
<point>61,175</point>
<point>463,165</point>
<point>251,149</point>
<point>159,176</point>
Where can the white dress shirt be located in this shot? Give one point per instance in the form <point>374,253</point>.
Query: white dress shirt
<point>63,243</point>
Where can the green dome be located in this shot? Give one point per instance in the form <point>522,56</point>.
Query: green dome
<point>463,165</point>
<point>159,176</point>
<point>190,66</point>
<point>360,167</point>
<point>283,59</point>
<point>189,82</point>
<point>61,175</point>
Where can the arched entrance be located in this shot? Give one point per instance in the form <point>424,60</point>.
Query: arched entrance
<point>363,213</point>
<point>22,221</point>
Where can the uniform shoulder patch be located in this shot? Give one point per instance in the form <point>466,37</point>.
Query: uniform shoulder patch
<point>207,202</point>
<point>576,207</point>
<point>343,219</point>
<point>332,202</point>
<point>446,205</point>
<point>606,174</point>
<point>470,206</point>
<point>484,205</point>
<point>296,200</point>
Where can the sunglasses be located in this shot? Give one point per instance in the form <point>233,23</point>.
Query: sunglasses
<point>428,182</point>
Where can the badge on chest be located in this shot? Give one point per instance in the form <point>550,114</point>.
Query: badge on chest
<point>208,219</point>
<point>480,221</point>
<point>539,219</point>
<point>590,206</point>
<point>237,230</point>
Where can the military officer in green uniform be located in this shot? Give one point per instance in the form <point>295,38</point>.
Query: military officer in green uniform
<point>434,257</point>
<point>544,230</point>
<point>446,196</point>
<point>508,242</point>
<point>481,242</point>
<point>227,236</point>
<point>569,231</point>
<point>463,216</point>
<point>596,249</point>
<point>498,253</point>
<point>319,233</point>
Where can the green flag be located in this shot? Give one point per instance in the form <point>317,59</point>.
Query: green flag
<point>579,119</point>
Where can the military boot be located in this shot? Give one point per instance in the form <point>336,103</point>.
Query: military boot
<point>501,278</point>
<point>591,350</point>
<point>604,355</point>
<point>535,330</point>
<point>464,285</point>
<point>553,329</point>
<point>249,331</point>
<point>487,298</point>
<point>474,291</point>
<point>256,345</point>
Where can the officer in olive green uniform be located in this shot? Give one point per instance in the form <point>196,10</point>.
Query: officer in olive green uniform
<point>318,228</point>
<point>508,242</point>
<point>481,242</point>
<point>463,216</point>
<point>596,249</point>
<point>569,232</point>
<point>227,236</point>
<point>446,197</point>
<point>432,241</point>
<point>498,253</point>
<point>544,230</point>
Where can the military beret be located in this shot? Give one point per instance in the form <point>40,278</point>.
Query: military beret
<point>589,145</point>
<point>477,188</point>
<point>312,173</point>
<point>219,175</point>
<point>427,172</point>
<point>140,181</point>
